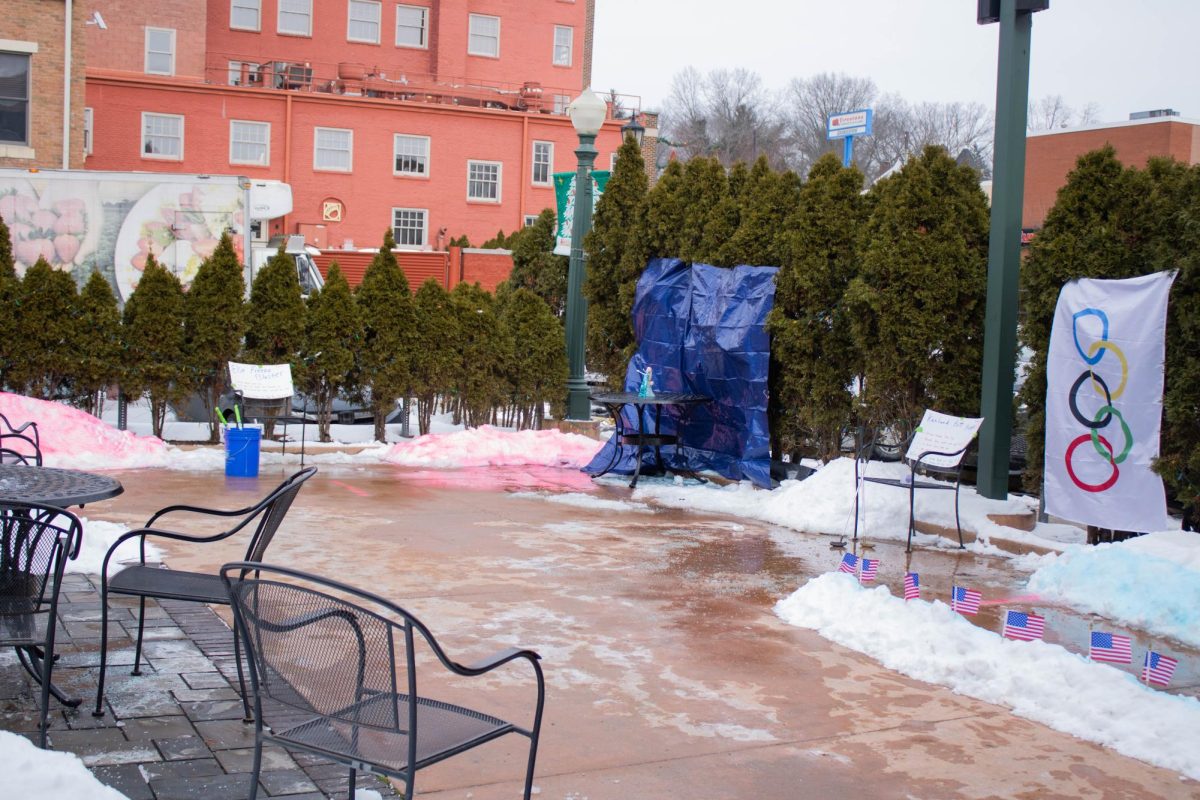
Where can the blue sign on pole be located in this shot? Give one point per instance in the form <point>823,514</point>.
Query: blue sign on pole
<point>847,125</point>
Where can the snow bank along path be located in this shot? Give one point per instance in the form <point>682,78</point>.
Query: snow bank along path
<point>75,439</point>
<point>1039,681</point>
<point>32,772</point>
<point>490,446</point>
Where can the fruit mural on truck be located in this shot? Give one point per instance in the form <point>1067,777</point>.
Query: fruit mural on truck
<point>112,225</point>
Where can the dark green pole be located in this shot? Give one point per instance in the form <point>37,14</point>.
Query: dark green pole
<point>579,407</point>
<point>1004,246</point>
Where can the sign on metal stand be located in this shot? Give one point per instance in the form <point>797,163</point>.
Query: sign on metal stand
<point>846,126</point>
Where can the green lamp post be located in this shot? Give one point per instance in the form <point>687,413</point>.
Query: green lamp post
<point>587,113</point>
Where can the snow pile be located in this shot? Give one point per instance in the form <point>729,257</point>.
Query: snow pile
<point>582,500</point>
<point>32,772</point>
<point>1151,582</point>
<point>824,502</point>
<point>75,439</point>
<point>490,446</point>
<point>1038,681</point>
<point>98,536</point>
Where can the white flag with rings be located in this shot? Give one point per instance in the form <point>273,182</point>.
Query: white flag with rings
<point>1104,401</point>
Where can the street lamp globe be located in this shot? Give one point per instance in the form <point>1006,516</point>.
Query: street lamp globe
<point>587,113</point>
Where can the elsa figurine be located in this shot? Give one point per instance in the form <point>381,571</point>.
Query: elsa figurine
<point>647,387</point>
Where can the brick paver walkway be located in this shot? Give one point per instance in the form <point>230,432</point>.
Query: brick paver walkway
<point>176,731</point>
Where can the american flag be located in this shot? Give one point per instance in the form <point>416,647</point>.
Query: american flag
<point>1026,627</point>
<point>1158,668</point>
<point>849,563</point>
<point>912,586</point>
<point>964,600</point>
<point>870,568</point>
<point>1111,647</point>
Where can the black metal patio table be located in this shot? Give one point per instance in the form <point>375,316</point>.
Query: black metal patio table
<point>615,401</point>
<point>54,487</point>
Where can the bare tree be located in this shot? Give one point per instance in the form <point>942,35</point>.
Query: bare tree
<point>724,113</point>
<point>1053,112</point>
<point>810,103</point>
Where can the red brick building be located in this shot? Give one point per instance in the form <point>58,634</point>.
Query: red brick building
<point>436,118</point>
<point>1051,155</point>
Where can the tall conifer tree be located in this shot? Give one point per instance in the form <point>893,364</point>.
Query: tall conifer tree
<point>152,327</point>
<point>214,324</point>
<point>385,308</point>
<point>436,360</point>
<point>101,357</point>
<point>332,335</point>
<point>45,354</point>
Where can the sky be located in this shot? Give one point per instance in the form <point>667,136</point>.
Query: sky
<point>1123,56</point>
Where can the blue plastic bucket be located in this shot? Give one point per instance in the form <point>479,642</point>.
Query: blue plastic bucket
<point>241,452</point>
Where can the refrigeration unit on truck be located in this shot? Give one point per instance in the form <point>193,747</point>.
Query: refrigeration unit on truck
<point>80,220</point>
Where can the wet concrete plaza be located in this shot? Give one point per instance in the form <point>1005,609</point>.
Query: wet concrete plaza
<point>668,675</point>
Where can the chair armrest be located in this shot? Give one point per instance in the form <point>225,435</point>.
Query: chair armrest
<point>960,453</point>
<point>216,512</point>
<point>495,660</point>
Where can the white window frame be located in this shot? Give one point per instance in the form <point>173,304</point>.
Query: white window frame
<point>424,45</point>
<point>169,53</point>
<point>266,143</point>
<point>236,72</point>
<point>397,138</point>
<point>89,130</point>
<point>612,162</point>
<point>570,46</point>
<point>528,220</point>
<point>561,101</point>
<point>146,117</point>
<point>279,28</point>
<point>499,165</point>
<point>24,148</point>
<point>424,212</point>
<point>535,162</point>
<point>350,20</point>
<point>472,34</point>
<point>317,167</point>
<point>245,5</point>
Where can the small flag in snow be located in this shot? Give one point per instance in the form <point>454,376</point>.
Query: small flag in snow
<point>1026,627</point>
<point>964,600</point>
<point>849,563</point>
<point>1111,647</point>
<point>1158,668</point>
<point>912,586</point>
<point>870,568</point>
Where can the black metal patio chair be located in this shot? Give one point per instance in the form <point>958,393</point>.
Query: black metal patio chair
<point>20,444</point>
<point>35,542</point>
<point>144,580</point>
<point>334,672</point>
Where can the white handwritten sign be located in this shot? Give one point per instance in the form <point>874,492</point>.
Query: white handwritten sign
<point>261,381</point>
<point>942,433</point>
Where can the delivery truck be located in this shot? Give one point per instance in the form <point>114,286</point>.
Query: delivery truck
<point>83,220</point>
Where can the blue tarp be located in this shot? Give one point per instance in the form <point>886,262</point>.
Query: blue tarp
<point>702,329</point>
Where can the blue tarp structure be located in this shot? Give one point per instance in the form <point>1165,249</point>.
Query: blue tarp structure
<point>702,329</point>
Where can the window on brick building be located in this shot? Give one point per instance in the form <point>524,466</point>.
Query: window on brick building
<point>295,16</point>
<point>409,226</point>
<point>249,142</point>
<point>483,181</point>
<point>333,149</point>
<point>88,131</point>
<point>162,136</point>
<point>14,98</point>
<point>411,155</point>
<point>561,101</point>
<point>160,51</point>
<point>528,220</point>
<point>564,42</point>
<point>244,73</point>
<point>411,26</point>
<point>245,14</point>
<point>543,162</point>
<point>363,25</point>
<point>484,36</point>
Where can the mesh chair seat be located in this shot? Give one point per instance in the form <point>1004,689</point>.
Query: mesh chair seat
<point>170,584</point>
<point>444,729</point>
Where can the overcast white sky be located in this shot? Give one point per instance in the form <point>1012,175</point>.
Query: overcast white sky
<point>1126,55</point>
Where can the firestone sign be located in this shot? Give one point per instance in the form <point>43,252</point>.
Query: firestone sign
<point>850,123</point>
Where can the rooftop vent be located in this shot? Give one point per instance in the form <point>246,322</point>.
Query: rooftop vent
<point>1158,112</point>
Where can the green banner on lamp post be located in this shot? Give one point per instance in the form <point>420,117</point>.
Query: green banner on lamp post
<point>564,191</point>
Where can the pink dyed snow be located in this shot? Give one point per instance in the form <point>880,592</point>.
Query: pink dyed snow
<point>490,446</point>
<point>76,440</point>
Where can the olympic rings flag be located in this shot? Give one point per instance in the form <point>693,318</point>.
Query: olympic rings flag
<point>1104,387</point>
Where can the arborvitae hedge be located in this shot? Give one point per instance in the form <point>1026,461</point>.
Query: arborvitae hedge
<point>917,304</point>
<point>152,328</point>
<point>537,367</point>
<point>275,323</point>
<point>214,321</point>
<point>46,350</point>
<point>483,352</point>
<point>810,325</point>
<point>332,335</point>
<point>9,287</point>
<point>662,227</point>
<point>1111,221</point>
<point>764,203</point>
<point>385,308</point>
<point>614,264</point>
<point>706,188</point>
<point>436,362</point>
<point>101,360</point>
<point>535,267</point>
